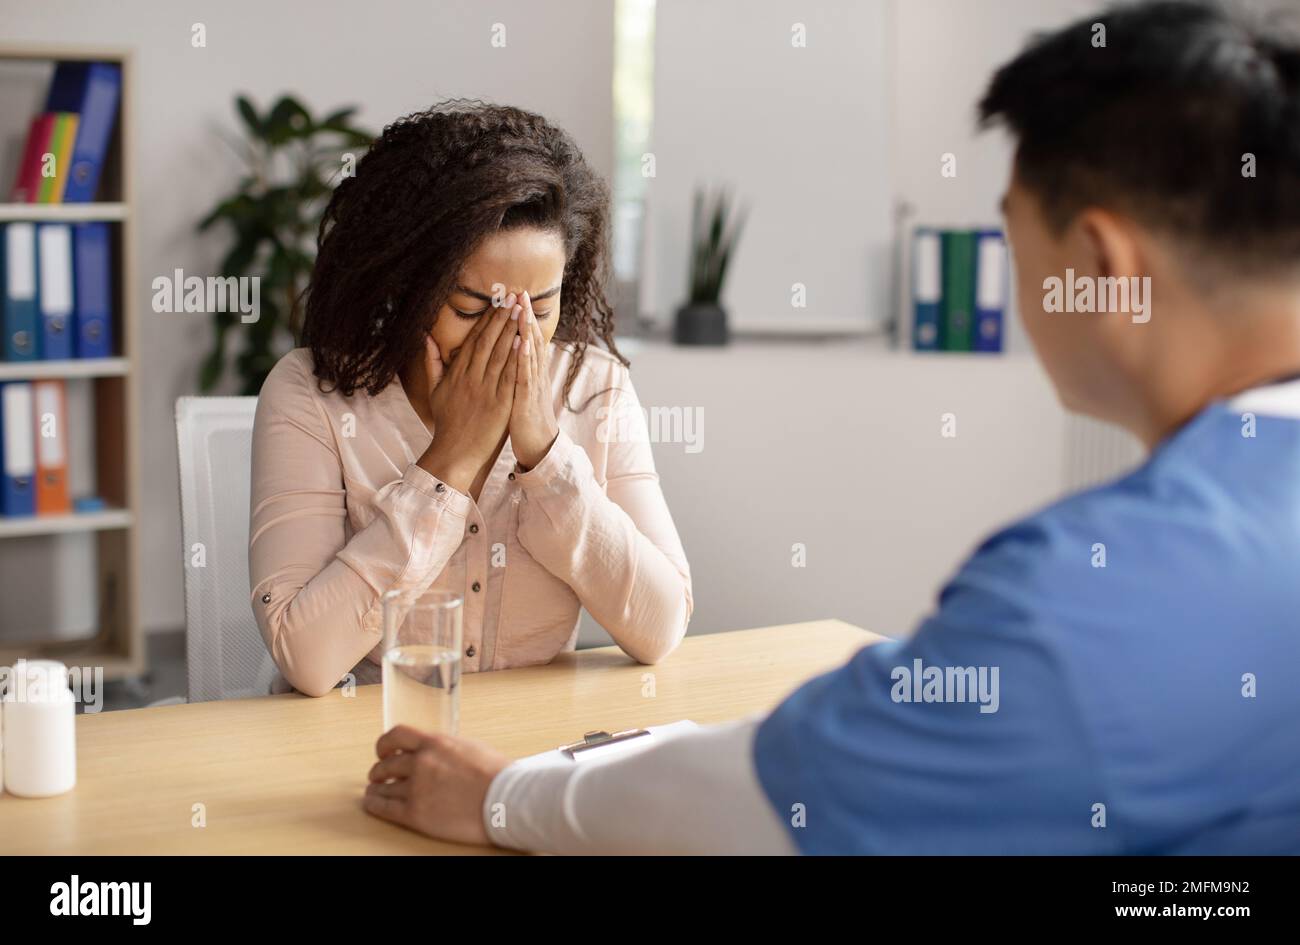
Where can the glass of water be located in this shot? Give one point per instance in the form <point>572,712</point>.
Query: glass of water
<point>422,651</point>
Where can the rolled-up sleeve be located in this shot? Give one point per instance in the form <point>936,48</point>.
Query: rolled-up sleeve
<point>617,546</point>
<point>316,594</point>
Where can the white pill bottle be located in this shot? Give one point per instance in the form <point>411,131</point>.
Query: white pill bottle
<point>39,738</point>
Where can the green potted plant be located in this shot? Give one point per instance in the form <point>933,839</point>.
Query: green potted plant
<point>703,320</point>
<point>293,160</point>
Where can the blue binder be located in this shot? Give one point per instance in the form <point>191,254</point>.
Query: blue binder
<point>927,290</point>
<point>54,260</point>
<point>991,277</point>
<point>21,319</point>
<point>17,450</point>
<point>92,90</point>
<point>93,299</point>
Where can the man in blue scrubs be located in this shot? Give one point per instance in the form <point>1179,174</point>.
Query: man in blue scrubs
<point>1119,673</point>
<point>1146,633</point>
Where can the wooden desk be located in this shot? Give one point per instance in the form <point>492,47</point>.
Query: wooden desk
<point>284,774</point>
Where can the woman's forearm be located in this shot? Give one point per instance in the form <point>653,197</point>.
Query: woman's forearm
<point>319,621</point>
<point>601,546</point>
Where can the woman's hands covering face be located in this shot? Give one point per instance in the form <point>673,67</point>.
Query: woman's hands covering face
<point>470,402</point>
<point>532,415</point>
<point>498,384</point>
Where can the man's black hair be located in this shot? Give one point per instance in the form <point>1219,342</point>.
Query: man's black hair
<point>1165,121</point>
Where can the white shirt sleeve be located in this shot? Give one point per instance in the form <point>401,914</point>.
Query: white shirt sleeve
<point>695,793</point>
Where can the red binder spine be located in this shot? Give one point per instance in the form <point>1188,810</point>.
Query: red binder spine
<point>28,181</point>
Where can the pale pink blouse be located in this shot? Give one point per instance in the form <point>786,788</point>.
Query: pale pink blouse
<point>341,514</point>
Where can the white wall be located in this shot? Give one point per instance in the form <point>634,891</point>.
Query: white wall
<point>838,446</point>
<point>945,52</point>
<point>394,56</point>
<point>824,141</point>
<point>390,57</point>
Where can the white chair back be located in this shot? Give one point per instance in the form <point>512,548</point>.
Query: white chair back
<point>227,658</point>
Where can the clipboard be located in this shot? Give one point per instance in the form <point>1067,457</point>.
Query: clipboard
<point>600,746</point>
<point>594,741</point>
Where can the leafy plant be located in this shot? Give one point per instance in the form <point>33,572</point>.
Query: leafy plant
<point>292,161</point>
<point>712,243</point>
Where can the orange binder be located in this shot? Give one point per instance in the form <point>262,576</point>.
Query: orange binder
<point>51,426</point>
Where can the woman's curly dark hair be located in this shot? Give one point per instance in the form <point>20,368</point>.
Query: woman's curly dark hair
<point>395,236</point>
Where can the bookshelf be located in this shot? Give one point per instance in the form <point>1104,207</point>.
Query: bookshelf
<point>39,370</point>
<point>62,212</point>
<point>45,561</point>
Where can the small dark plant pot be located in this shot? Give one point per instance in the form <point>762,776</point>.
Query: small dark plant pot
<point>700,323</point>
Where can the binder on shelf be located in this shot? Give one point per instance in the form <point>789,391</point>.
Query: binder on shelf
<point>20,316</point>
<point>991,290</point>
<point>51,414</point>
<point>62,140</point>
<point>93,298</point>
<point>17,459</point>
<point>958,289</point>
<point>92,91</point>
<point>927,290</point>
<point>54,258</point>
<point>28,181</point>
<point>88,505</point>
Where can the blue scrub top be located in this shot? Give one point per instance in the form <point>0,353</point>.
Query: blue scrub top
<point>1149,706</point>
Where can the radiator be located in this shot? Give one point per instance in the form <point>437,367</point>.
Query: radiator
<point>1096,452</point>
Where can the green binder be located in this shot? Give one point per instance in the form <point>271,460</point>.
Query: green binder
<point>958,312</point>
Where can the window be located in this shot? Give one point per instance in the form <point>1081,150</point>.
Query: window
<point>634,40</point>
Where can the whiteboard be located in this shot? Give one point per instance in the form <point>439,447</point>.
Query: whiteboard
<point>800,134</point>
